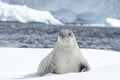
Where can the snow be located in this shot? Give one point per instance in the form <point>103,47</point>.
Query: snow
<point>25,14</point>
<point>21,63</point>
<point>113,22</point>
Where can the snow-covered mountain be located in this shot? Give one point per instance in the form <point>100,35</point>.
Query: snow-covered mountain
<point>22,63</point>
<point>78,11</point>
<point>25,14</point>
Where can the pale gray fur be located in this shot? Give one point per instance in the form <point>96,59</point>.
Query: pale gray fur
<point>66,56</point>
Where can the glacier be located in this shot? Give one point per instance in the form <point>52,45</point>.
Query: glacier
<point>76,11</point>
<point>25,14</point>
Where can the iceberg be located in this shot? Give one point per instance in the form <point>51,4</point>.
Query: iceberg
<point>113,22</point>
<point>25,14</point>
<point>76,11</point>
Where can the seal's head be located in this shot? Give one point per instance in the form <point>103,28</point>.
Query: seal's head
<point>66,38</point>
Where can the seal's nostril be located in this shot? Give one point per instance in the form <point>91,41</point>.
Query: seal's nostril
<point>61,34</point>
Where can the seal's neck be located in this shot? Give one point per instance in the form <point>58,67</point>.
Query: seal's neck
<point>71,45</point>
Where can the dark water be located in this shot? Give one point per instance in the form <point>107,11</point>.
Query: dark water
<point>34,35</point>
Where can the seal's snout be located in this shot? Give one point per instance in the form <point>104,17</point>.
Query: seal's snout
<point>62,34</point>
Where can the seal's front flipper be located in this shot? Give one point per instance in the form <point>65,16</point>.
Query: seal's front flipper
<point>84,67</point>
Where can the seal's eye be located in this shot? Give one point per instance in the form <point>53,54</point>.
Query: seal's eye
<point>69,34</point>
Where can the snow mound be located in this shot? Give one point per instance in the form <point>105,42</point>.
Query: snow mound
<point>21,63</point>
<point>113,22</point>
<point>25,14</point>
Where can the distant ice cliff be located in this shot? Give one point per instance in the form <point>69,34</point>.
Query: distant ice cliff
<point>77,11</point>
<point>25,14</point>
